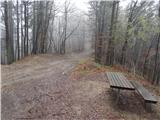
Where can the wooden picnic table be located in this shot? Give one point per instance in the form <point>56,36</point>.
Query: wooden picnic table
<point>119,81</point>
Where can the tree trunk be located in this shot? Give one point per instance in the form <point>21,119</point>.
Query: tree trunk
<point>9,31</point>
<point>96,31</point>
<point>22,36</point>
<point>125,46</point>
<point>25,28</point>
<point>18,30</point>
<point>27,38</point>
<point>110,52</point>
<point>155,75</point>
<point>146,57</point>
<point>65,30</point>
<point>34,30</point>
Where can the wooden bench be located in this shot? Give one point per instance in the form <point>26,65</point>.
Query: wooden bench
<point>146,95</point>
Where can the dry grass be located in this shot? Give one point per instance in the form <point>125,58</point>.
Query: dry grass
<point>88,66</point>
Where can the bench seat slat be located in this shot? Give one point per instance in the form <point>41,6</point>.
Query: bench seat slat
<point>147,96</point>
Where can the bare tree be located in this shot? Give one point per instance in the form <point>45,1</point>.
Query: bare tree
<point>130,20</point>
<point>9,31</point>
<point>110,52</point>
<point>155,75</point>
<point>18,43</point>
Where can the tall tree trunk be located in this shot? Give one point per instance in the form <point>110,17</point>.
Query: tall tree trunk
<point>110,52</point>
<point>25,27</point>
<point>146,57</point>
<point>18,30</point>
<point>34,30</point>
<point>22,36</point>
<point>96,31</point>
<point>27,38</point>
<point>115,26</point>
<point>65,29</point>
<point>155,75</point>
<point>38,27</point>
<point>125,46</point>
<point>9,31</point>
<point>47,20</point>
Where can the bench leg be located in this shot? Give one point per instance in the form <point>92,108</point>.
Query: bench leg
<point>148,106</point>
<point>118,95</point>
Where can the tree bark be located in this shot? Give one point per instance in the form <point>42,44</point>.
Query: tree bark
<point>9,31</point>
<point>146,57</point>
<point>125,46</point>
<point>155,75</point>
<point>18,30</point>
<point>110,52</point>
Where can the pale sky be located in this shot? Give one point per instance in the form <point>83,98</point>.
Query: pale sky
<point>83,4</point>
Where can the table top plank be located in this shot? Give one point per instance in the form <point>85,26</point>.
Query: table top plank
<point>124,80</point>
<point>112,81</point>
<point>118,80</point>
<point>128,84</point>
<point>119,83</point>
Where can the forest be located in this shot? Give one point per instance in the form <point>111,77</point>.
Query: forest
<point>131,39</point>
<point>128,37</point>
<point>33,27</point>
<point>59,59</point>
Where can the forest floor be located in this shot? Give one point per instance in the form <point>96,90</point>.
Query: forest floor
<point>68,87</point>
